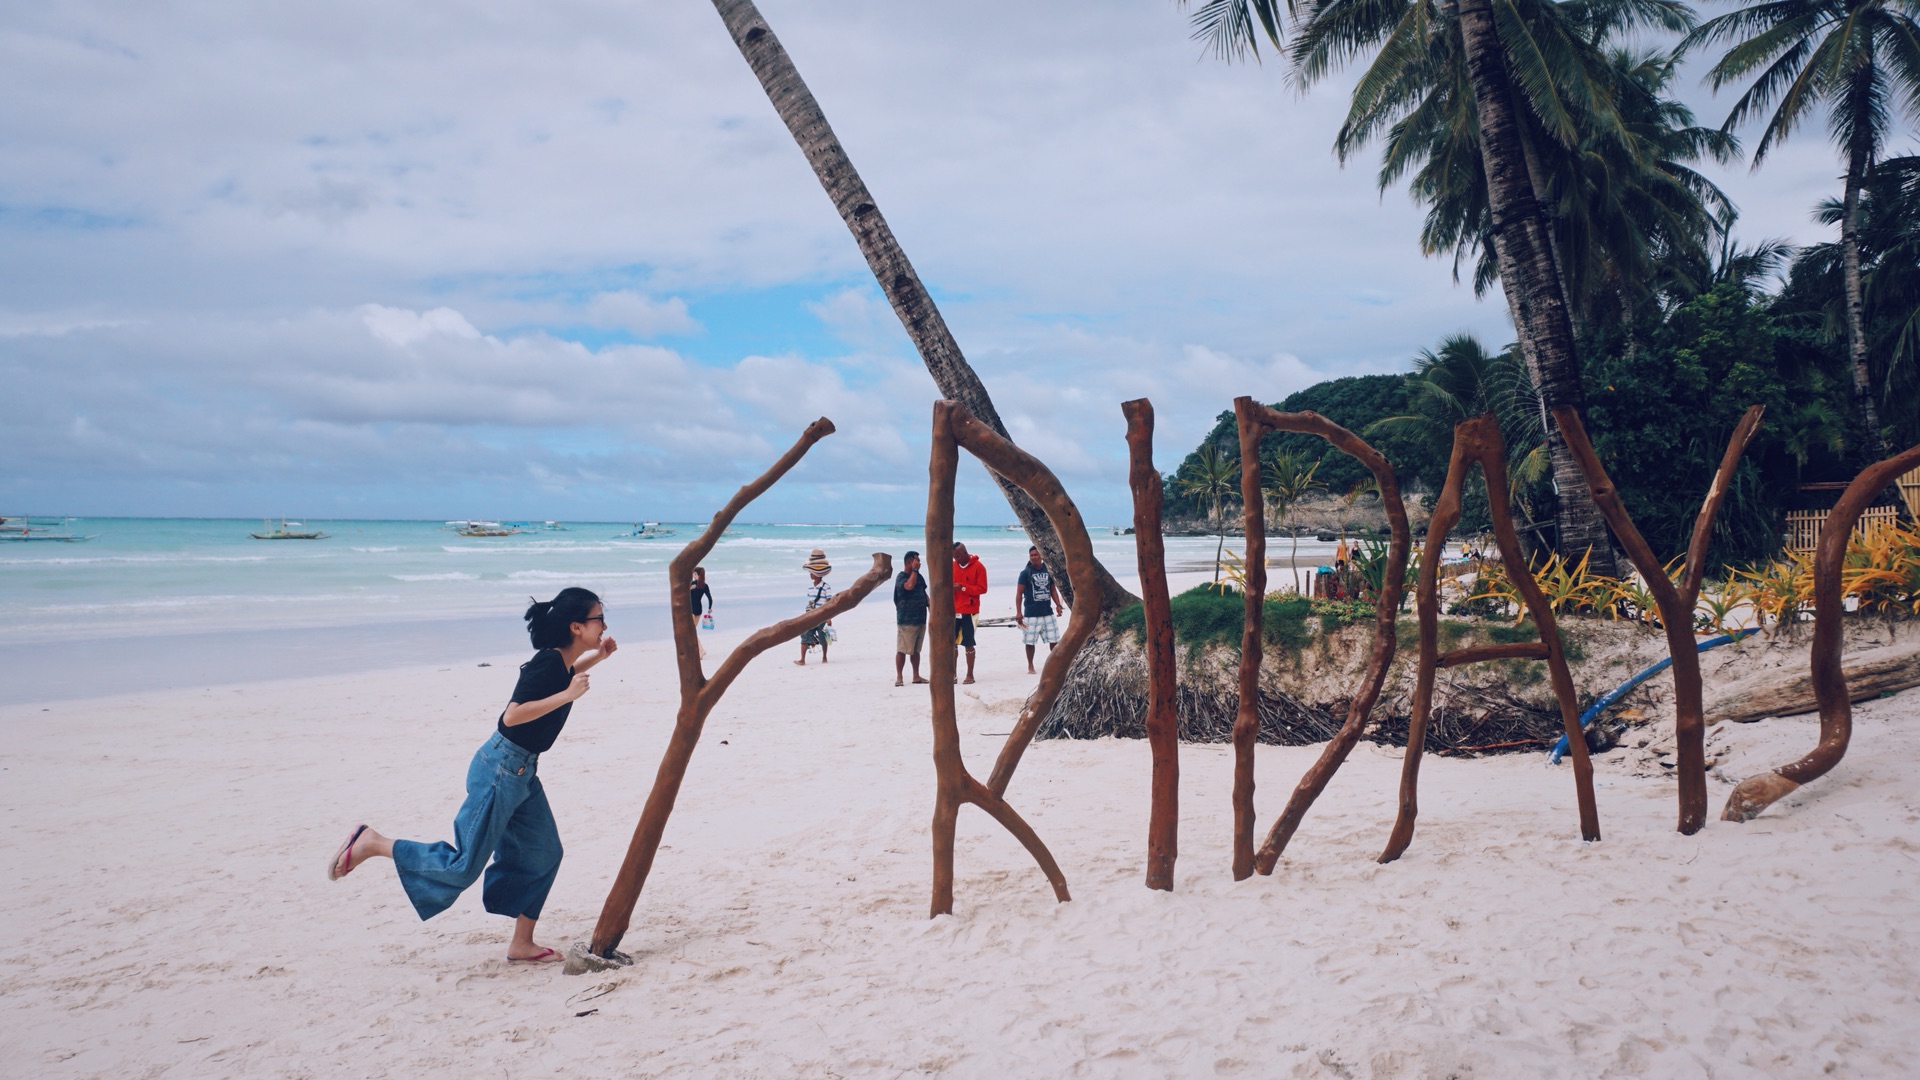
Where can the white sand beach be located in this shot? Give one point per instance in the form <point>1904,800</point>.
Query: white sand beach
<point>165,860</point>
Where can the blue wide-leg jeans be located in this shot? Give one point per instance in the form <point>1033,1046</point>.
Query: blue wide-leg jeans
<point>505,818</point>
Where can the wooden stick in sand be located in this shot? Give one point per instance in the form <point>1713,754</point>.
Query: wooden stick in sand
<point>1255,420</point>
<point>954,427</point>
<point>1756,793</point>
<point>1478,440</point>
<point>699,694</point>
<point>1674,602</point>
<point>1163,724</point>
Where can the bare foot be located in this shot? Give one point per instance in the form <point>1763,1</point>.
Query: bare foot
<point>968,679</point>
<point>897,682</point>
<point>799,663</point>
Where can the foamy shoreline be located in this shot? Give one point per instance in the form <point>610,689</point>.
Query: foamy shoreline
<point>167,855</point>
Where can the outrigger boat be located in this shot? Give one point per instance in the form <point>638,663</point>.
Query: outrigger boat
<point>645,530</point>
<point>288,530</point>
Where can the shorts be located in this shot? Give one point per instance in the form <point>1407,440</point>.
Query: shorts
<point>909,639</point>
<point>1040,628</point>
<point>963,631</point>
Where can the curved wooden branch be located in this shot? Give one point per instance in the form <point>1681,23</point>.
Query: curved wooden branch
<point>1479,440</point>
<point>953,785</point>
<point>1163,723</point>
<point>1025,472</point>
<point>1386,607</point>
<point>1756,793</point>
<point>698,695</point>
<point>1675,604</point>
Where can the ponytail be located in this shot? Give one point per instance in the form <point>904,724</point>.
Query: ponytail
<point>550,622</point>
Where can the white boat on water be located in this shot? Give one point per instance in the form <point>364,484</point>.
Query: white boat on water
<point>23,530</point>
<point>288,530</point>
<point>645,530</point>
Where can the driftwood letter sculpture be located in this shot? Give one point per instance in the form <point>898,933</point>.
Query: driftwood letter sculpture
<point>1756,793</point>
<point>699,694</point>
<point>954,427</point>
<point>1675,603</point>
<point>1163,723</point>
<point>1479,440</point>
<point>1255,420</point>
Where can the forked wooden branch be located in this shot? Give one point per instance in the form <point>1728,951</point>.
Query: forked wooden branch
<point>1478,440</point>
<point>1024,471</point>
<point>954,786</point>
<point>1756,793</point>
<point>699,694</point>
<point>1163,723</point>
<point>1255,420</point>
<point>1675,603</point>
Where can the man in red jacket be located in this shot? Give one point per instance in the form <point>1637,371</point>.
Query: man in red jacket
<point>969,585</point>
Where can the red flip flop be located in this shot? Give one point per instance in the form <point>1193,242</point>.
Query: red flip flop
<point>342,863</point>
<point>544,956</point>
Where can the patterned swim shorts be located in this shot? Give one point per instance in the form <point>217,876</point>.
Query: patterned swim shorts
<point>1040,628</point>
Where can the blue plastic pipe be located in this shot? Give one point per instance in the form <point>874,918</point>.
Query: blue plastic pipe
<point>1608,699</point>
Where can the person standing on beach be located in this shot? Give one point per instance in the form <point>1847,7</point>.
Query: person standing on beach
<point>910,613</point>
<point>505,816</point>
<point>969,585</point>
<point>1032,610</point>
<point>700,591</point>
<point>818,592</point>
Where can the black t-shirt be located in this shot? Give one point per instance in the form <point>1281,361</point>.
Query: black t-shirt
<point>1037,587</point>
<point>698,592</point>
<point>910,605</point>
<point>541,677</point>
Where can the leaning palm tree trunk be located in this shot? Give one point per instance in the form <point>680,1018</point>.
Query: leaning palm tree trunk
<point>1530,278</point>
<point>951,372</point>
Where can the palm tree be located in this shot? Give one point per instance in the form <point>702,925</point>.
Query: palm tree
<point>1889,239</point>
<point>1212,477</point>
<point>1860,60</point>
<point>1287,478</point>
<point>1461,380</point>
<point>955,378</point>
<point>1550,74</point>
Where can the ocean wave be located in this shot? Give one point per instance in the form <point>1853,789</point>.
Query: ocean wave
<point>376,550</point>
<point>451,576</point>
<point>577,575</point>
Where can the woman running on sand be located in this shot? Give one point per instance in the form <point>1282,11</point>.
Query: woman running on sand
<point>505,816</point>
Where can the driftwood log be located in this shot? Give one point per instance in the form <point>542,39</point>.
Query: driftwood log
<point>953,427</point>
<point>1756,793</point>
<point>1478,440</point>
<point>1163,723</point>
<point>1790,692</point>
<point>699,694</point>
<point>1674,602</point>
<point>1254,421</point>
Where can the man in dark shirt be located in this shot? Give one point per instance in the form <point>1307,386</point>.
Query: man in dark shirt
<point>910,612</point>
<point>1036,602</point>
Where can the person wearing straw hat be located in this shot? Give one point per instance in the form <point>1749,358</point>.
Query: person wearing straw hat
<point>818,592</point>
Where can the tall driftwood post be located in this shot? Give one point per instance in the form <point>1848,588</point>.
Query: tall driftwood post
<point>1756,793</point>
<point>699,694</point>
<point>1478,440</point>
<point>953,427</point>
<point>1163,723</point>
<point>1246,718</point>
<point>1386,606</point>
<point>1675,603</point>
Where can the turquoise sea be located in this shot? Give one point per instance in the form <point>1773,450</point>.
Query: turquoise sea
<point>161,603</point>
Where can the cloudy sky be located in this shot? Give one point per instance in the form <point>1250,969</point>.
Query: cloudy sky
<point>561,260</point>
